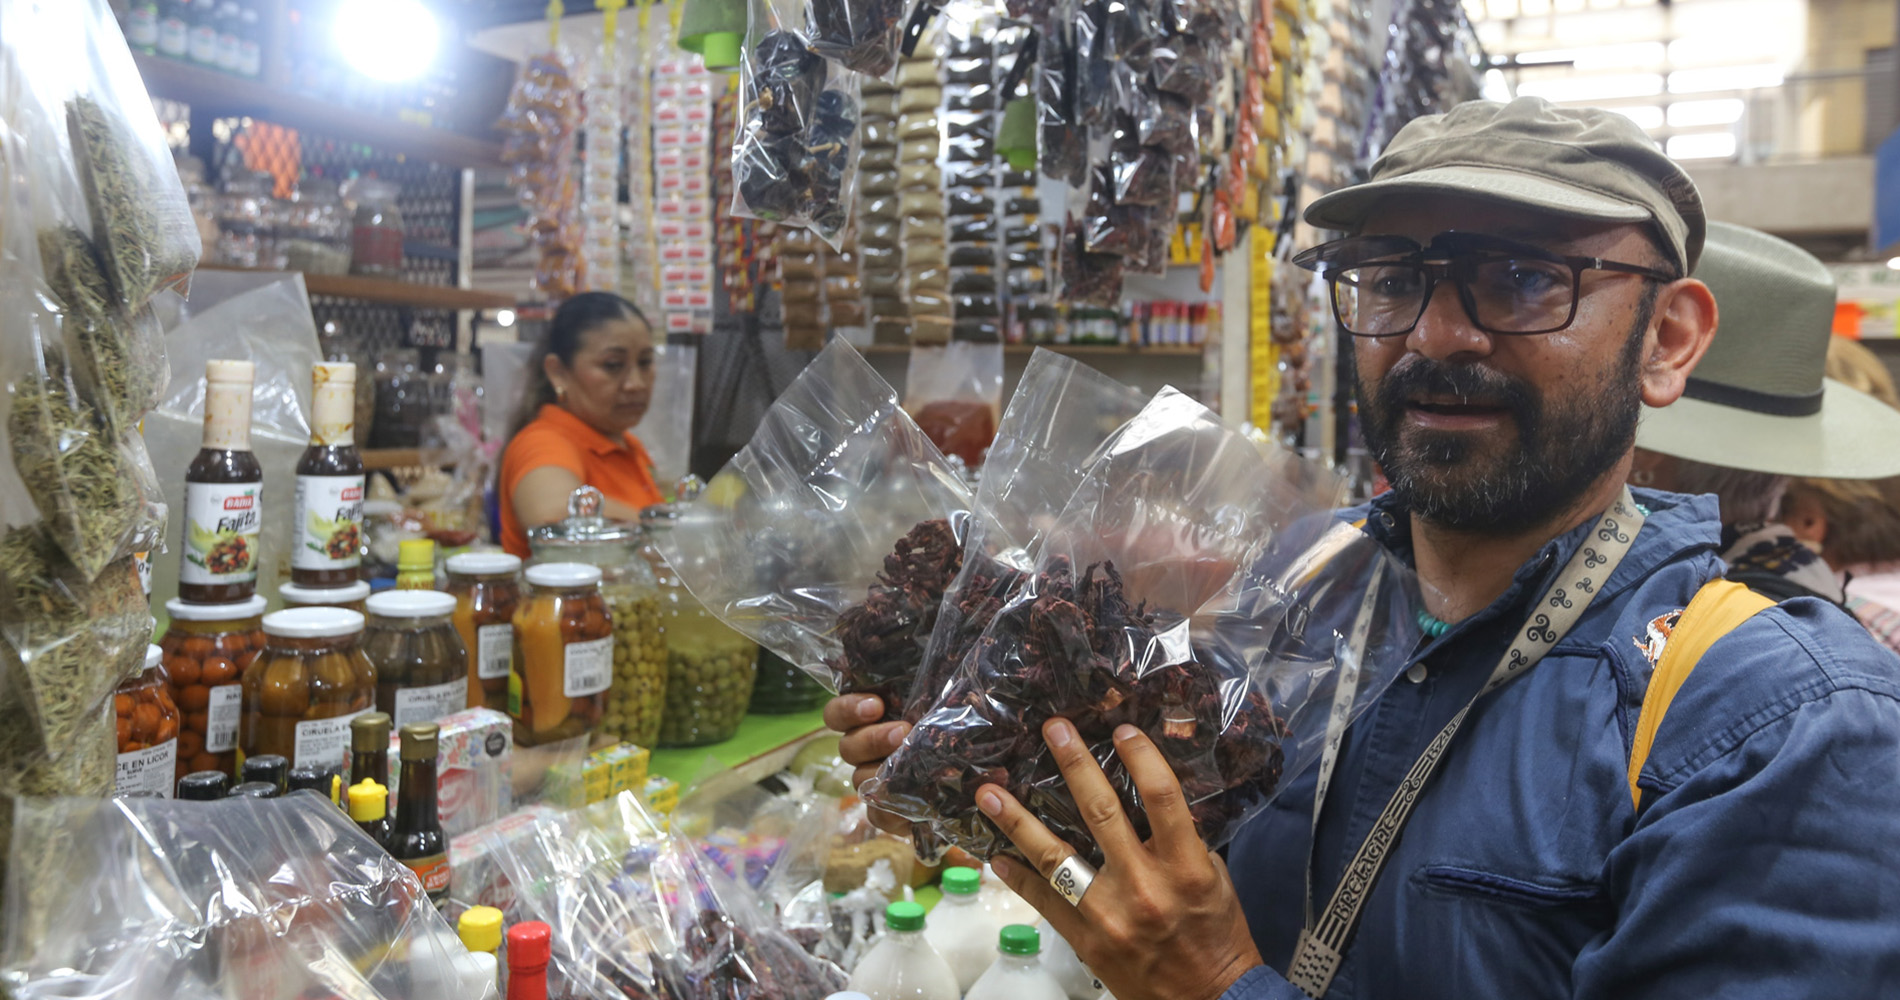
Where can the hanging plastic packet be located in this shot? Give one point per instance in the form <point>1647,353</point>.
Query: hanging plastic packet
<point>838,495</point>
<point>1194,586</point>
<point>1144,175</point>
<point>1089,278</point>
<point>860,35</point>
<point>955,393</point>
<point>1061,142</point>
<point>793,160</point>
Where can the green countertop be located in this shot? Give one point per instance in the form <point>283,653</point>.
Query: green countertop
<point>757,738</point>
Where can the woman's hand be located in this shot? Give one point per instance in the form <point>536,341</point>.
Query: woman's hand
<point>1161,920</point>
<point>865,744</point>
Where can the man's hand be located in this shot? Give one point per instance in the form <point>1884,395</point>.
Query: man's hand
<point>865,744</point>
<point>1161,920</point>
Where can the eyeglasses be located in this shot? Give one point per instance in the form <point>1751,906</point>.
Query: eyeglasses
<point>1382,284</point>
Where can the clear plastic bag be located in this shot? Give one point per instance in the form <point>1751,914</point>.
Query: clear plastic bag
<point>138,898</point>
<point>794,156</point>
<point>1194,586</point>
<point>955,393</point>
<point>789,537</point>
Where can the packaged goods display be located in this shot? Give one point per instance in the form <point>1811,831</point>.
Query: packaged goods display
<point>487,592</point>
<point>539,128</point>
<point>302,692</point>
<point>563,658</point>
<point>420,661</point>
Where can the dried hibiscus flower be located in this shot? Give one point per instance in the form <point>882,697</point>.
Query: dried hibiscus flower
<point>883,637</point>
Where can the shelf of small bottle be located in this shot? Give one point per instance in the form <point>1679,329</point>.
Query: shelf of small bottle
<point>388,292</point>
<point>1073,350</point>
<point>223,94</point>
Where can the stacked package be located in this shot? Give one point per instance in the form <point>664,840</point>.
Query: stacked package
<point>819,288</point>
<point>643,247</point>
<point>682,162</point>
<point>880,226</point>
<point>920,199</point>
<point>539,123</point>
<point>969,125</point>
<point>600,178</point>
<point>743,246</point>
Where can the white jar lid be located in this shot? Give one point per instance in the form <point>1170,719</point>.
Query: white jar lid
<point>192,611</point>
<point>564,575</point>
<point>153,656</point>
<point>313,623</point>
<point>349,593</point>
<point>484,563</point>
<point>410,604</point>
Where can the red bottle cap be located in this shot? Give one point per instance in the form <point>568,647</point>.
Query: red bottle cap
<point>529,944</point>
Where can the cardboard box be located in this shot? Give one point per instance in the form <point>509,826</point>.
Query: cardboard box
<point>474,777</point>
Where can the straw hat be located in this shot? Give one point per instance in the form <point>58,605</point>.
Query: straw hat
<point>1759,400</point>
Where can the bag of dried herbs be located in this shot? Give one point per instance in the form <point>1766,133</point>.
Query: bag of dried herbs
<point>118,354</point>
<point>1190,587</point>
<point>830,538</point>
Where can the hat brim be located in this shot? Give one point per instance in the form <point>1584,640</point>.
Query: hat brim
<point>1852,437</point>
<point>1346,209</point>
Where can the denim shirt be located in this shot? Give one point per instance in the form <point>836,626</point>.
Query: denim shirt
<point>1765,861</point>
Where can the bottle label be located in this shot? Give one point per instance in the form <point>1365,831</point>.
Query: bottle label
<point>432,870</point>
<point>149,771</point>
<point>204,44</point>
<point>495,650</point>
<point>141,28</point>
<point>228,54</point>
<point>174,37</point>
<point>221,726</point>
<point>329,519</point>
<point>142,563</point>
<point>324,743</point>
<point>427,704</point>
<point>250,58</point>
<point>221,526</point>
<point>590,668</point>
<point>514,693</point>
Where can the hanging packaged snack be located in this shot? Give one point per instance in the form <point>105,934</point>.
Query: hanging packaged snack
<point>955,394</point>
<point>1185,66</point>
<point>838,494</point>
<point>1144,175</point>
<point>793,157</point>
<point>1061,142</point>
<point>1088,278</point>
<point>1223,637</point>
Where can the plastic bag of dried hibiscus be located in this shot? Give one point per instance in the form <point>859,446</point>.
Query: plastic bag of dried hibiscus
<point>1197,586</point>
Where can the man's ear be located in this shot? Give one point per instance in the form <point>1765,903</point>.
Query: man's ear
<point>1682,329</point>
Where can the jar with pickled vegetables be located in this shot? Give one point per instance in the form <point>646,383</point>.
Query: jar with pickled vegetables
<point>207,649</point>
<point>148,732</point>
<point>351,595</point>
<point>302,691</point>
<point>487,591</point>
<point>638,693</point>
<point>710,668</point>
<point>421,664</point>
<point>563,662</point>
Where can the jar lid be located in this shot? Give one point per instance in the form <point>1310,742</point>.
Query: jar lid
<point>349,593</point>
<point>313,623</point>
<point>564,575</point>
<point>484,563</point>
<point>411,604</point>
<point>192,611</point>
<point>584,525</point>
<point>153,656</point>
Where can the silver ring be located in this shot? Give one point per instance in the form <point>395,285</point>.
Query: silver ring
<point>1072,879</point>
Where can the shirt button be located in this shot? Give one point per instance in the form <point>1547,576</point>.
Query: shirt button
<point>1417,674</point>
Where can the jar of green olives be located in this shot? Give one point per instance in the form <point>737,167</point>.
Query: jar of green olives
<point>709,667</point>
<point>637,696</point>
<point>300,694</point>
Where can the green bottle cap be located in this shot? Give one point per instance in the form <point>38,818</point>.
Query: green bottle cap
<point>961,881</point>
<point>905,915</point>
<point>1019,939</point>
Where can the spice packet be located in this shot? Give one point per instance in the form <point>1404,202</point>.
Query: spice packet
<point>839,495</point>
<point>1194,586</point>
<point>794,158</point>
<point>954,392</point>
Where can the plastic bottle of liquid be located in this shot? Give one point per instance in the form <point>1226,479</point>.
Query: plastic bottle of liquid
<point>961,930</point>
<point>1075,978</point>
<point>1017,974</point>
<point>1004,905</point>
<point>480,931</point>
<point>903,966</point>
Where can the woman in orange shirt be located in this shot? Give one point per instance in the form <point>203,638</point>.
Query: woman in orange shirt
<point>589,382</point>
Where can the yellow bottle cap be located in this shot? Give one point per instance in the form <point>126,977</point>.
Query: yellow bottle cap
<point>415,554</point>
<point>369,801</point>
<point>480,928</point>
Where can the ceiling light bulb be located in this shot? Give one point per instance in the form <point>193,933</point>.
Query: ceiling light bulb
<point>387,40</point>
<point>505,317</point>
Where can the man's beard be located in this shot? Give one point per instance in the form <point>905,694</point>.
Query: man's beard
<point>1478,482</point>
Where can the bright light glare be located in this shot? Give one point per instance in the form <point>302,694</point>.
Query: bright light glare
<point>387,40</point>
<point>1697,81</point>
<point>1692,114</point>
<point>1707,146</point>
<point>1648,116</point>
<point>505,317</point>
<point>1632,55</point>
<point>1893,263</point>
<point>1587,89</point>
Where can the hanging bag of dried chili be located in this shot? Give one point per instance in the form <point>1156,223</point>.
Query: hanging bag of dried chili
<point>837,496</point>
<point>1194,586</point>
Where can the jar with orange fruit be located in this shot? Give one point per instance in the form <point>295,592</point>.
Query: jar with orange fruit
<point>206,650</point>
<point>564,655</point>
<point>148,732</point>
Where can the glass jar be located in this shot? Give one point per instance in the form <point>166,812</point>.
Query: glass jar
<point>207,649</point>
<point>782,688</point>
<point>487,591</point>
<point>351,596</point>
<point>302,692</point>
<point>638,695</point>
<point>402,400</point>
<point>376,228</point>
<point>148,723</point>
<point>709,667</point>
<point>421,664</point>
<point>242,211</point>
<point>318,238</point>
<point>563,658</point>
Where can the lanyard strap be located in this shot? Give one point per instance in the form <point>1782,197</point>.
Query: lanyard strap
<point>1322,943</point>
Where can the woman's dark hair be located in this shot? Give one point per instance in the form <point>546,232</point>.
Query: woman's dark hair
<point>562,338</point>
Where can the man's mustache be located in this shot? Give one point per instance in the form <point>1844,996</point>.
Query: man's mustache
<point>1420,377</point>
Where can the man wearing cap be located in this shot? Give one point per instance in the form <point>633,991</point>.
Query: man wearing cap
<point>1514,283</point>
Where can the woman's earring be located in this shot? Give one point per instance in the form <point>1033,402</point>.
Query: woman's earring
<point>560,393</point>
<point>1642,477</point>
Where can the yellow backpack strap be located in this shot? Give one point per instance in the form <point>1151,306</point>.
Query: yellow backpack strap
<point>1714,612</point>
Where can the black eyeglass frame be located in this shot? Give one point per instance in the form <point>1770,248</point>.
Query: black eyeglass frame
<point>1451,257</point>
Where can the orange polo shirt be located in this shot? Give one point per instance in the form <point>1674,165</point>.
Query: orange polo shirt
<point>621,470</point>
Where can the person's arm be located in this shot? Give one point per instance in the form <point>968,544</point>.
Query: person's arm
<point>541,498</point>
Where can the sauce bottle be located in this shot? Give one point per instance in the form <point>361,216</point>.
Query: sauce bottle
<point>415,564</point>
<point>369,748</point>
<point>327,549</point>
<point>269,768</point>
<point>529,944</point>
<point>416,838</point>
<point>223,494</point>
<point>369,807</point>
<point>203,786</point>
